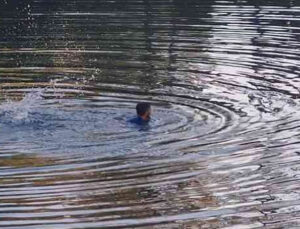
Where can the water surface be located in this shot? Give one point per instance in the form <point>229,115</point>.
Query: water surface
<point>222,148</point>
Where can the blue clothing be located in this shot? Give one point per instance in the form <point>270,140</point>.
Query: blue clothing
<point>139,121</point>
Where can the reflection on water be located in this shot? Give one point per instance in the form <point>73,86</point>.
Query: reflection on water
<point>222,148</point>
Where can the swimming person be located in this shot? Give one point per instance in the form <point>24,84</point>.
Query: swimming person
<point>143,111</point>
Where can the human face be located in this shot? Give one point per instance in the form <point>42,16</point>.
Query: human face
<point>147,114</point>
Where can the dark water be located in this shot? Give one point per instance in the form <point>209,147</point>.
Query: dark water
<point>222,149</point>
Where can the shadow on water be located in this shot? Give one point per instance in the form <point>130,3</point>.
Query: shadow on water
<point>222,147</point>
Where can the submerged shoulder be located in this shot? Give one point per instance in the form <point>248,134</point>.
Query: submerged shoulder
<point>135,120</point>
<point>138,121</point>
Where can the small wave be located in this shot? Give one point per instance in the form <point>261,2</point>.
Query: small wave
<point>222,150</point>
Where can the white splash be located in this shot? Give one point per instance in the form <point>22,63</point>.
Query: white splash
<point>19,111</point>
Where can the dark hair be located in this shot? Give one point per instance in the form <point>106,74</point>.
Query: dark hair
<point>142,108</point>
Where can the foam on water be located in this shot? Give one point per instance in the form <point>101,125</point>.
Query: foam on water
<point>21,112</point>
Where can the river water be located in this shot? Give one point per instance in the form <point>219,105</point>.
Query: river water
<point>222,149</point>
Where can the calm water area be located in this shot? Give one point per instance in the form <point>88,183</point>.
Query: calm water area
<point>222,149</point>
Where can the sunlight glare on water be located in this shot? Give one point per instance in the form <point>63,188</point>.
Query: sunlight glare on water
<point>221,149</point>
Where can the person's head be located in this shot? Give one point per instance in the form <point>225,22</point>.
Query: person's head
<point>143,110</point>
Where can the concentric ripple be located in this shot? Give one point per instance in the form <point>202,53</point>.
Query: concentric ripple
<point>48,120</point>
<point>221,149</point>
